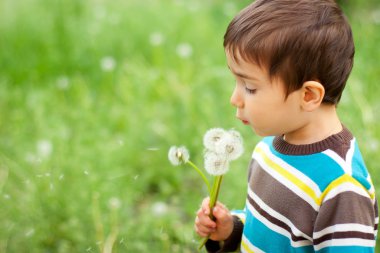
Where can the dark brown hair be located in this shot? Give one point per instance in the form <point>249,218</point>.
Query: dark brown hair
<point>296,41</point>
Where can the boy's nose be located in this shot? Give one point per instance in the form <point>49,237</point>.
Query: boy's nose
<point>235,99</point>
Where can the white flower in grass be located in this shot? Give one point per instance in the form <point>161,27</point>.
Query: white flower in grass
<point>44,148</point>
<point>159,208</point>
<point>212,137</point>
<point>178,155</point>
<point>114,203</point>
<point>156,39</point>
<point>107,63</point>
<point>216,164</point>
<point>184,50</point>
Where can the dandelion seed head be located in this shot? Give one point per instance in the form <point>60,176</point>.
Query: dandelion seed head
<point>184,50</point>
<point>156,39</point>
<point>114,203</point>
<point>216,164</point>
<point>107,64</point>
<point>231,145</point>
<point>63,83</point>
<point>212,137</point>
<point>178,155</point>
<point>159,208</point>
<point>44,148</point>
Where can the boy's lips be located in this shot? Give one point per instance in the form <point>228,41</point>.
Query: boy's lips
<point>245,122</point>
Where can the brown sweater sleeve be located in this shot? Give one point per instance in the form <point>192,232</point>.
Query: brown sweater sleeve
<point>231,243</point>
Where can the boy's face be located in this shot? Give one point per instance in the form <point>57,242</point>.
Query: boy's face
<point>260,101</point>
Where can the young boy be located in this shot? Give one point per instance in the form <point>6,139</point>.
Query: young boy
<point>308,187</point>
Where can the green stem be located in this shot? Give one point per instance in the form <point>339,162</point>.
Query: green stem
<point>213,199</point>
<point>202,175</point>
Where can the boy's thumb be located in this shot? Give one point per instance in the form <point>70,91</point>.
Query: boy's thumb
<point>218,213</point>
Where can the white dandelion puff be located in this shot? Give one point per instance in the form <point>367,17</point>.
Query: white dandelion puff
<point>212,137</point>
<point>63,82</point>
<point>156,39</point>
<point>44,148</point>
<point>178,155</point>
<point>159,208</point>
<point>114,203</point>
<point>107,64</point>
<point>216,164</point>
<point>231,145</point>
<point>184,50</point>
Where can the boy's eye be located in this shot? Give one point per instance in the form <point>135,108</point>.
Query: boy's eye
<point>250,91</point>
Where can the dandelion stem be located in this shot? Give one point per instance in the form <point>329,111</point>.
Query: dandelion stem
<point>213,199</point>
<point>202,175</point>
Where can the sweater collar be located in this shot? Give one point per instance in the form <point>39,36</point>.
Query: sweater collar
<point>334,141</point>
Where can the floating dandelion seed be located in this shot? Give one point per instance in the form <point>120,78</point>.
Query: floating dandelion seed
<point>29,232</point>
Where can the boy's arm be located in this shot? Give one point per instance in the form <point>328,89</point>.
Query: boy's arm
<point>347,220</point>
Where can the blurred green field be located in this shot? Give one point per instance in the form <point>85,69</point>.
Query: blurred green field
<point>92,95</point>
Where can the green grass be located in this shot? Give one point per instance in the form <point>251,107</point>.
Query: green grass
<point>83,149</point>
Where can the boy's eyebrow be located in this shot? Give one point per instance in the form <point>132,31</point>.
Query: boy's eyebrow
<point>241,74</point>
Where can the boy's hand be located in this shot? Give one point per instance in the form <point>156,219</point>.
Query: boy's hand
<point>218,230</point>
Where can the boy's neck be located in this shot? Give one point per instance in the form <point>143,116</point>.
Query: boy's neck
<point>320,124</point>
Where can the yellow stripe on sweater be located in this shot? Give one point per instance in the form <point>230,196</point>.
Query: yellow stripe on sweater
<point>345,179</point>
<point>246,247</point>
<point>292,178</point>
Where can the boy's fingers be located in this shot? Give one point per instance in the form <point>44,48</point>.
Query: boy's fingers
<point>204,220</point>
<point>202,229</point>
<point>221,214</point>
<point>205,206</point>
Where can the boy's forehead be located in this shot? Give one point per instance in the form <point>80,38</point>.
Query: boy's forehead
<point>236,63</point>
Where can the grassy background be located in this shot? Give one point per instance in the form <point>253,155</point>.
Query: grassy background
<point>92,95</point>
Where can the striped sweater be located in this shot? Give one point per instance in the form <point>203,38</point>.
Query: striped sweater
<point>306,198</point>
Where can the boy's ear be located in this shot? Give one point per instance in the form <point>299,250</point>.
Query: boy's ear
<point>312,95</point>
